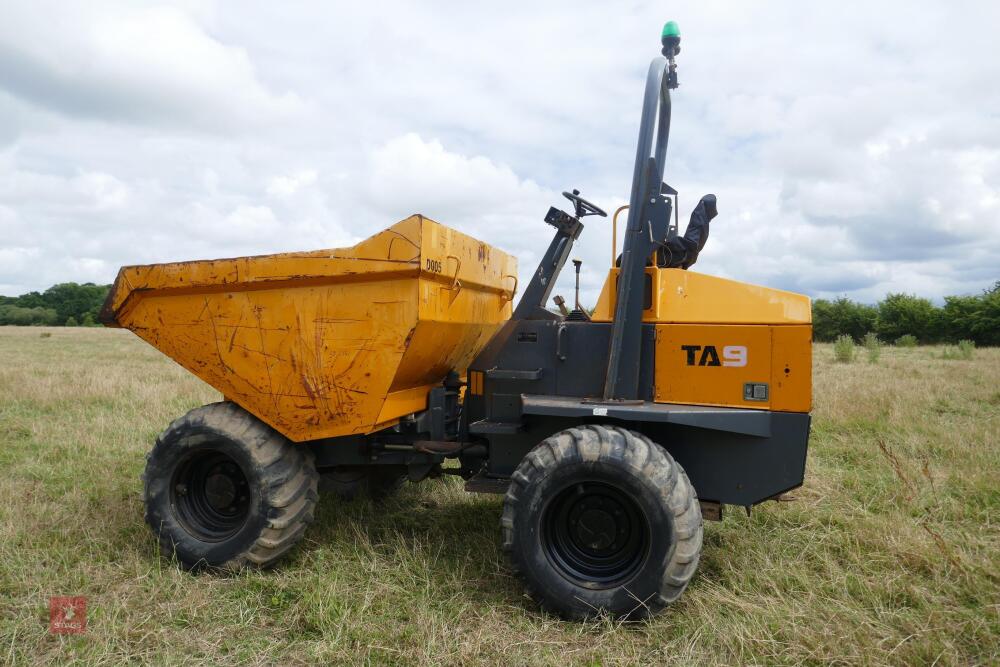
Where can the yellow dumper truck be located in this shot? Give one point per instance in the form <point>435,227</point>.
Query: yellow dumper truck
<point>611,434</point>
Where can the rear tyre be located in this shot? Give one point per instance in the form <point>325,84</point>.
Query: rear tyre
<point>599,519</point>
<point>377,481</point>
<point>224,490</point>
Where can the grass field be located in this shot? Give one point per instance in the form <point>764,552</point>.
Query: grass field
<point>888,555</point>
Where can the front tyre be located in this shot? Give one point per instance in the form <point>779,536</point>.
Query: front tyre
<point>601,519</point>
<point>224,490</point>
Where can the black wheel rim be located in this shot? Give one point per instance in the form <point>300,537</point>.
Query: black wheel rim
<point>594,533</point>
<point>211,495</point>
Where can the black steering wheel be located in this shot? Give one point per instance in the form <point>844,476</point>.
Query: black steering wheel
<point>582,206</point>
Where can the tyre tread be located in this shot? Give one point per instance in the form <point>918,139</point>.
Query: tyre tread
<point>288,472</point>
<point>635,451</point>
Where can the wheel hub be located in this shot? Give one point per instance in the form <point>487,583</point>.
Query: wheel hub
<point>211,496</point>
<point>220,490</point>
<point>595,530</point>
<point>594,533</point>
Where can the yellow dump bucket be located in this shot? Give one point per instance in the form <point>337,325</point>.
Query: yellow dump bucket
<point>331,342</point>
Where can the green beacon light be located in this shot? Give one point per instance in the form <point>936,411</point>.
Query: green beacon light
<point>671,39</point>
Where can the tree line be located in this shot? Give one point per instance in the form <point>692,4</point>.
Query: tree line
<point>973,318</point>
<point>65,304</point>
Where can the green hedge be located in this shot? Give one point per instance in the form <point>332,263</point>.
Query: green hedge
<point>59,304</point>
<point>972,318</point>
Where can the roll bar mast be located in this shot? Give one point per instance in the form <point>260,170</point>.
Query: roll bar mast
<point>648,224</point>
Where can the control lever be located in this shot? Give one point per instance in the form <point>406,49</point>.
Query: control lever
<point>577,263</point>
<point>578,314</point>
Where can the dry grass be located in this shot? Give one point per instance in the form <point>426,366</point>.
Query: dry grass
<point>888,555</point>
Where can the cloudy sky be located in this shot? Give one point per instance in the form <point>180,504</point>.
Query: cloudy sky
<point>854,147</point>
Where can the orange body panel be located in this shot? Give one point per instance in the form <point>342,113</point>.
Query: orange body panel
<point>693,298</point>
<point>710,364</point>
<point>325,343</point>
<point>767,333</point>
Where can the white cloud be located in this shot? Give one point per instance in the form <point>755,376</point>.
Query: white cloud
<point>247,220</point>
<point>20,258</point>
<point>125,62</point>
<point>411,174</point>
<point>104,190</point>
<point>286,186</point>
